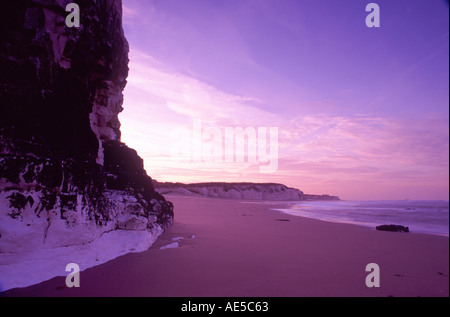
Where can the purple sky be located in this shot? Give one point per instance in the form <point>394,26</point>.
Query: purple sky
<point>361,112</point>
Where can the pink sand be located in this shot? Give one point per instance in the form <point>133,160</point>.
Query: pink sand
<point>246,249</point>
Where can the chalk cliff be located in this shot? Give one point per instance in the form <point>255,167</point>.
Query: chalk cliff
<point>249,191</point>
<point>66,179</point>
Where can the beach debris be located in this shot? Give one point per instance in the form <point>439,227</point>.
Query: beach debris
<point>395,228</point>
<point>177,238</point>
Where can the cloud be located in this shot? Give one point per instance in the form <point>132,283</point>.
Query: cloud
<point>373,139</point>
<point>318,147</point>
<point>159,100</point>
<point>151,80</point>
<point>129,12</point>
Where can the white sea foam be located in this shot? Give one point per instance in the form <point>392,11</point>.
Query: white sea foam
<point>170,246</point>
<point>422,216</point>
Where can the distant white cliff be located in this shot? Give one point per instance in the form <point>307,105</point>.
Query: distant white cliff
<point>248,191</point>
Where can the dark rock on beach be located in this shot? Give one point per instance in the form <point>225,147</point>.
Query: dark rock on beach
<point>395,228</point>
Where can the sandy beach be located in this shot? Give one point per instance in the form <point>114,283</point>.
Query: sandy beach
<point>234,248</point>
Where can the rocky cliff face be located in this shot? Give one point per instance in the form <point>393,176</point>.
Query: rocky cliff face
<point>65,177</point>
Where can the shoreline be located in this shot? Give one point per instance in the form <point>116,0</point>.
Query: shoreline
<point>237,248</point>
<point>414,226</point>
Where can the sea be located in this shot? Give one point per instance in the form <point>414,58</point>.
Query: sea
<point>421,216</point>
